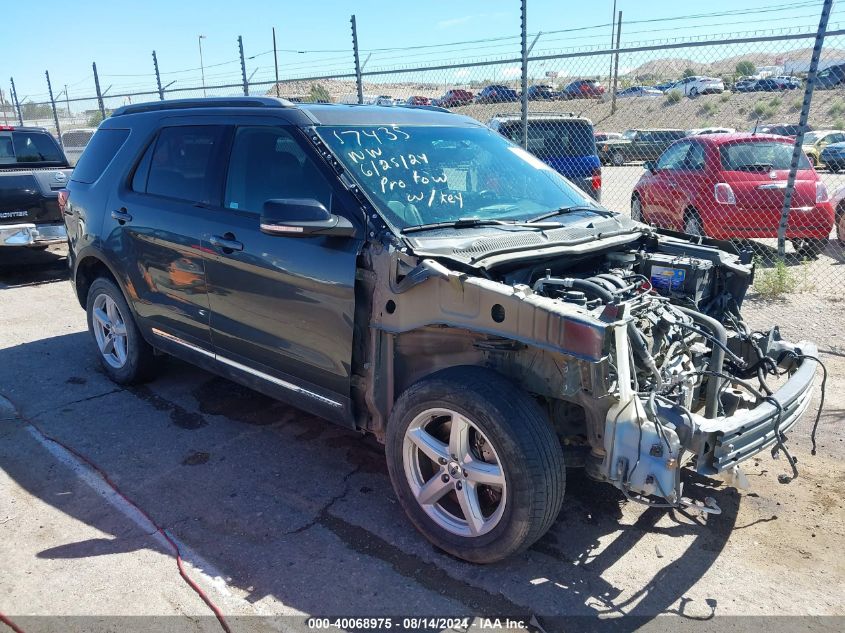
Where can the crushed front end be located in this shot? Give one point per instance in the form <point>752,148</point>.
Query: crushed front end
<point>691,384</point>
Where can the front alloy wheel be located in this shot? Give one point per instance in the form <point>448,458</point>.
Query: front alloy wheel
<point>454,472</point>
<point>617,159</point>
<point>475,463</point>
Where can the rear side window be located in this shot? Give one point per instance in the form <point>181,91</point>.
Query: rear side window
<point>547,139</point>
<point>98,154</point>
<point>185,163</point>
<point>28,148</point>
<point>759,156</point>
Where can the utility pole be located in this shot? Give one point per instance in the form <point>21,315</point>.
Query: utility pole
<point>276,61</point>
<point>612,24</point>
<point>616,64</point>
<point>202,67</point>
<point>358,79</point>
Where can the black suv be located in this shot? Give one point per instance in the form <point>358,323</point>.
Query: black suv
<point>414,274</point>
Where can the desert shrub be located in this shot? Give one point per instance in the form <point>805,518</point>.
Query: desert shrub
<point>674,96</point>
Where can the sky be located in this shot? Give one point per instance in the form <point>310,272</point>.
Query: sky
<point>314,38</point>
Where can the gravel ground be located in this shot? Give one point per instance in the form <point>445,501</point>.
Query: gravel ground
<point>294,516</point>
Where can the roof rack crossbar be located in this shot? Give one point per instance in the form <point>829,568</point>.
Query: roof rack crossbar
<point>205,102</point>
<point>531,113</point>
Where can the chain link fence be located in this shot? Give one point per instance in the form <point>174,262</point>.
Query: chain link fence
<point>642,127</point>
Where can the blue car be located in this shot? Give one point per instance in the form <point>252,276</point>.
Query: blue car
<point>497,94</point>
<point>564,142</point>
<point>834,157</point>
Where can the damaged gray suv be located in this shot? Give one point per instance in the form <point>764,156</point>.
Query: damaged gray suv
<point>414,275</point>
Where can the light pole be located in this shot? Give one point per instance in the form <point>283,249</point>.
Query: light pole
<point>202,68</point>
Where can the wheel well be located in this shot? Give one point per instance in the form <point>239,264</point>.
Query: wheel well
<point>87,271</point>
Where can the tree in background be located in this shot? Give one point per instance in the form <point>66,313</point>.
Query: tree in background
<point>36,110</point>
<point>95,119</point>
<point>745,68</point>
<point>689,72</point>
<point>319,94</point>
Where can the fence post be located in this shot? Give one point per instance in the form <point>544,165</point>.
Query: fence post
<point>612,27</point>
<point>358,80</point>
<point>99,94</point>
<point>276,62</point>
<point>802,126</point>
<point>158,78</point>
<point>53,104</point>
<point>15,100</point>
<point>243,65</point>
<point>523,110</point>
<point>616,64</point>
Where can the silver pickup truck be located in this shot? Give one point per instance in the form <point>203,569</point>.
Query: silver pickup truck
<point>33,170</point>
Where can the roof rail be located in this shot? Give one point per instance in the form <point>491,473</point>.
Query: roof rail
<point>532,113</point>
<point>205,102</point>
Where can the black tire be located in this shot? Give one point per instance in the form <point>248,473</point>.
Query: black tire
<point>521,435</point>
<point>810,248</point>
<point>636,208</point>
<point>833,168</point>
<point>617,159</point>
<point>840,227</point>
<point>692,223</point>
<point>813,160</point>
<point>139,365</point>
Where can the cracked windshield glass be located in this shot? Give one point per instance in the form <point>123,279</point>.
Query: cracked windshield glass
<point>425,174</point>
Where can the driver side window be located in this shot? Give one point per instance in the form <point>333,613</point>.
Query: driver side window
<point>267,163</point>
<point>674,157</point>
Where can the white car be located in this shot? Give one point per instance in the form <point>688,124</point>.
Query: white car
<point>384,100</point>
<point>697,131</point>
<point>698,85</point>
<point>74,142</point>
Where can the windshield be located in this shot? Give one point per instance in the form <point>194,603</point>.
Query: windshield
<point>425,174</point>
<point>751,156</point>
<point>811,137</point>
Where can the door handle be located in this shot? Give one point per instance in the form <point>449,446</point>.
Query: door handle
<point>226,243</point>
<point>121,215</point>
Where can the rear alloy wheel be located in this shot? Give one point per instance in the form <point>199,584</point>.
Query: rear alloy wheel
<point>617,159</point>
<point>636,209</point>
<point>125,356</point>
<point>692,224</point>
<point>475,463</point>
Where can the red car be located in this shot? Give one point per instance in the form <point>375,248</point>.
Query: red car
<point>455,97</point>
<point>583,89</point>
<point>732,186</point>
<point>418,101</point>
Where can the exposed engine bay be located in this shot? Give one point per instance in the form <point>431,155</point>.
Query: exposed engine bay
<point>684,358</point>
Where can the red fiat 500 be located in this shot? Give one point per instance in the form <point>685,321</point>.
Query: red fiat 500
<point>732,186</point>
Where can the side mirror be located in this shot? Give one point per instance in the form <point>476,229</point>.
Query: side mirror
<point>302,217</point>
<point>651,166</point>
